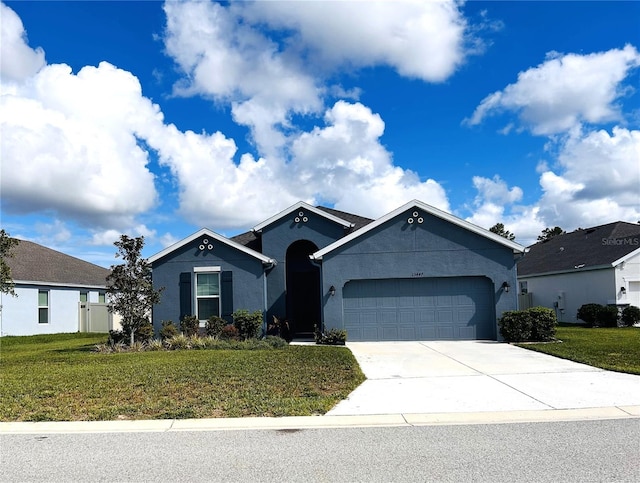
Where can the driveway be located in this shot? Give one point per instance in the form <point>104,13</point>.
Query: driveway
<point>477,376</point>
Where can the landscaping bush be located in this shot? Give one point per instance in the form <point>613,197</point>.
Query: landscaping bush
<point>630,315</point>
<point>214,326</point>
<point>588,313</point>
<point>247,323</point>
<point>333,337</point>
<point>607,316</point>
<point>536,324</point>
<point>142,333</point>
<point>544,322</point>
<point>515,326</point>
<point>229,332</point>
<point>275,341</point>
<point>168,330</point>
<point>189,325</point>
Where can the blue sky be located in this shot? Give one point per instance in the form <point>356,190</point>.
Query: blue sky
<point>159,119</point>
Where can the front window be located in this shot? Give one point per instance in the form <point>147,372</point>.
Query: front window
<point>207,295</point>
<point>43,306</point>
<point>101,298</point>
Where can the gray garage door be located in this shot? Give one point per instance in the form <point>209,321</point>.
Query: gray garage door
<point>419,309</point>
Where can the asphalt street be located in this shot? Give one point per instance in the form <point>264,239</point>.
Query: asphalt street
<point>577,451</point>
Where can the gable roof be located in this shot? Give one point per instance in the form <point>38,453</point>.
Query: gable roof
<point>206,232</point>
<point>596,247</point>
<point>301,205</point>
<point>33,263</point>
<point>516,247</point>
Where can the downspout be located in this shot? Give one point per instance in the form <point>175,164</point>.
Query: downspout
<point>318,263</point>
<point>266,267</point>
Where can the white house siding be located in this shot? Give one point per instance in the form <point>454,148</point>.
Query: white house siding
<point>572,290</point>
<point>628,276</point>
<point>19,315</point>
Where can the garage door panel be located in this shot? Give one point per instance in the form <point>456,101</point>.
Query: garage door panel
<point>419,309</point>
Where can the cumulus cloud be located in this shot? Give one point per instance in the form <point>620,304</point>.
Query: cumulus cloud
<point>597,177</point>
<point>564,91</point>
<point>227,54</point>
<point>18,61</point>
<point>69,145</point>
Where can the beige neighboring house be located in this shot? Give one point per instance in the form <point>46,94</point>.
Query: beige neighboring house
<point>594,265</point>
<point>56,293</point>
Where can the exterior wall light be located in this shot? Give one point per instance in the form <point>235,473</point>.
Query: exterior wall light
<point>623,290</point>
<point>506,286</point>
<point>332,290</point>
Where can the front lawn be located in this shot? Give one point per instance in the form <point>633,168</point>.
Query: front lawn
<point>615,349</point>
<point>59,378</point>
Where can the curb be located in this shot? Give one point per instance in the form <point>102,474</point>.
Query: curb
<point>320,422</point>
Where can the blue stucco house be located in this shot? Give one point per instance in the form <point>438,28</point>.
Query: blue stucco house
<point>416,273</point>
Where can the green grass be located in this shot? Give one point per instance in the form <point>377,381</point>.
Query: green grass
<point>615,349</point>
<point>59,378</point>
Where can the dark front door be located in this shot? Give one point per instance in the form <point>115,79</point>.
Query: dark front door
<point>303,288</point>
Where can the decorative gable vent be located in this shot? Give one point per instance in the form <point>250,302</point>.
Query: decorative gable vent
<point>301,217</point>
<point>205,245</point>
<point>415,217</point>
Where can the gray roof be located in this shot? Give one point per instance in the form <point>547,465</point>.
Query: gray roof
<point>34,263</point>
<point>582,249</point>
<point>250,240</point>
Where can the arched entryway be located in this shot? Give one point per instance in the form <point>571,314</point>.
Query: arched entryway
<point>303,288</point>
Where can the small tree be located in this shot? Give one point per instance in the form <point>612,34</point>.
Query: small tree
<point>130,287</point>
<point>6,245</point>
<point>498,229</point>
<point>549,233</point>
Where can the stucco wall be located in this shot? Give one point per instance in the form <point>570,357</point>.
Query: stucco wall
<point>435,248</point>
<point>19,315</point>
<point>628,276</point>
<point>277,237</point>
<point>573,290</point>
<point>248,277</point>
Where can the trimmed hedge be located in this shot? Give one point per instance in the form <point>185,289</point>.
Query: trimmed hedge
<point>596,315</point>
<point>630,315</point>
<point>536,324</point>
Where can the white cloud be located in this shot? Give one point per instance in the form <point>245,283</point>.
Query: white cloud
<point>565,91</point>
<point>69,145</point>
<point>18,61</point>
<point>423,40</point>
<point>598,180</point>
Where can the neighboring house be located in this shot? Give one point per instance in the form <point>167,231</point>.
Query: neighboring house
<point>417,273</point>
<point>594,265</point>
<point>55,293</point>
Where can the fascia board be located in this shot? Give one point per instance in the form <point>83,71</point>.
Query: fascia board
<point>626,257</point>
<point>301,205</point>
<point>516,247</point>
<point>222,239</point>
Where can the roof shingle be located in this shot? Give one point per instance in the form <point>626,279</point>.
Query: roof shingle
<point>582,248</point>
<point>34,263</point>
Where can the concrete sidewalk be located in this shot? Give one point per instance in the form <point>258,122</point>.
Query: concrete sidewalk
<point>475,376</point>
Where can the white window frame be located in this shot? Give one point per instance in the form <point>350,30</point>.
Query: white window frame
<point>44,307</point>
<point>206,271</point>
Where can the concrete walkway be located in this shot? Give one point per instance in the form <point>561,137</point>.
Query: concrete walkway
<point>475,376</point>
<point>431,383</point>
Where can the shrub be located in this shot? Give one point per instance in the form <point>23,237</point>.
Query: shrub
<point>588,313</point>
<point>168,330</point>
<point>275,341</point>
<point>630,315</point>
<point>608,316</point>
<point>229,332</point>
<point>543,326</point>
<point>248,324</point>
<point>214,326</point>
<point>179,341</point>
<point>189,325</point>
<point>155,345</point>
<point>333,337</point>
<point>515,326</point>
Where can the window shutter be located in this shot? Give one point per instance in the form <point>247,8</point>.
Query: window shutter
<point>185,294</point>
<point>226,293</point>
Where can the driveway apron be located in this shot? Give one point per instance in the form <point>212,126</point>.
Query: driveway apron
<point>477,376</point>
